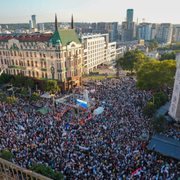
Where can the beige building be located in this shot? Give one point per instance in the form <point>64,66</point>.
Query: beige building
<point>57,56</point>
<point>98,51</point>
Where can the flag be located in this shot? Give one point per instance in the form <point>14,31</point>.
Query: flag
<point>137,172</point>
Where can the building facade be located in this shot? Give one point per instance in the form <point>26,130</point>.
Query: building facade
<point>41,27</point>
<point>98,51</point>
<point>57,56</point>
<point>174,110</point>
<point>129,16</point>
<point>144,31</point>
<point>128,31</point>
<point>164,33</point>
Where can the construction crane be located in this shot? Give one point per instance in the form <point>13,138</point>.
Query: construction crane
<point>3,68</point>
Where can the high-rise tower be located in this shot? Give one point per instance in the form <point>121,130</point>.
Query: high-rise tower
<point>130,13</point>
<point>56,23</point>
<point>72,23</point>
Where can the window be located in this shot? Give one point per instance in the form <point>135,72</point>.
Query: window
<point>177,87</point>
<point>32,64</point>
<point>45,64</point>
<point>65,64</point>
<point>46,75</point>
<point>65,74</point>
<point>37,74</point>
<point>174,98</point>
<point>36,64</point>
<point>14,53</point>
<point>51,55</point>
<point>28,63</point>
<point>29,73</point>
<point>21,46</point>
<point>33,74</point>
<point>50,46</point>
<point>6,46</point>
<point>12,62</point>
<point>40,55</point>
<point>42,64</point>
<point>44,55</point>
<point>65,54</point>
<point>1,61</point>
<point>30,46</point>
<point>42,74</point>
<point>5,61</point>
<point>26,54</point>
<point>35,54</point>
<point>172,108</point>
<point>31,54</point>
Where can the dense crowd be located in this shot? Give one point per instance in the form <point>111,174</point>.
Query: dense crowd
<point>105,146</point>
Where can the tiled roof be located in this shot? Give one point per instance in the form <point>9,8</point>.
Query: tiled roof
<point>65,36</point>
<point>26,37</point>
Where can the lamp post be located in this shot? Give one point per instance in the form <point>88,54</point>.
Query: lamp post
<point>52,70</point>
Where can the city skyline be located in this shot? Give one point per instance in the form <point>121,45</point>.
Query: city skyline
<point>88,11</point>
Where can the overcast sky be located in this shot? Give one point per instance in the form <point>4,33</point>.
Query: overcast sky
<point>157,11</point>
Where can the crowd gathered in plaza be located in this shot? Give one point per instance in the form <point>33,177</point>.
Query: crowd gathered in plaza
<point>87,146</point>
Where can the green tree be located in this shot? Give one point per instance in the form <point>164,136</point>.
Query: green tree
<point>163,97</point>
<point>151,47</point>
<point>168,56</point>
<point>47,171</point>
<point>156,74</point>
<point>7,155</point>
<point>156,101</point>
<point>35,96</point>
<point>29,83</point>
<point>5,78</point>
<point>2,97</point>
<point>24,92</point>
<point>149,109</point>
<point>51,87</point>
<point>158,123</point>
<point>19,80</point>
<point>156,45</point>
<point>132,60</point>
<point>11,99</point>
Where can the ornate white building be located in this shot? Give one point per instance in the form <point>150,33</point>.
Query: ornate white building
<point>174,110</point>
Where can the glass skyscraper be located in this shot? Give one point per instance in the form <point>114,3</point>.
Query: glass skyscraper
<point>130,15</point>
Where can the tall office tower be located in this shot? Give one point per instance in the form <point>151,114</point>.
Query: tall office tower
<point>130,15</point>
<point>30,25</point>
<point>41,26</point>
<point>154,30</point>
<point>144,31</point>
<point>128,31</point>
<point>164,33</point>
<point>34,21</point>
<point>178,34</point>
<point>94,25</point>
<point>115,30</point>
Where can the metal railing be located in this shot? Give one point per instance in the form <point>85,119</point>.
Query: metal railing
<point>10,171</point>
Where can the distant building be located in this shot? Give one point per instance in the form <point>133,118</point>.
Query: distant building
<point>94,25</point>
<point>98,51</point>
<point>144,31</point>
<point>153,55</point>
<point>34,25</point>
<point>164,33</point>
<point>176,36</point>
<point>6,26</point>
<point>0,27</point>
<point>154,31</point>
<point>30,25</point>
<point>128,31</point>
<point>129,16</point>
<point>41,27</point>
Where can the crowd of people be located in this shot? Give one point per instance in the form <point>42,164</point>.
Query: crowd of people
<point>87,146</point>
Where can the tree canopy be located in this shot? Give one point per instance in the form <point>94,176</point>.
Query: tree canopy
<point>153,45</point>
<point>156,74</point>
<point>19,80</point>
<point>47,171</point>
<point>51,86</point>
<point>7,155</point>
<point>167,56</point>
<point>158,123</point>
<point>5,78</point>
<point>132,60</point>
<point>170,47</point>
<point>149,109</point>
<point>29,83</point>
